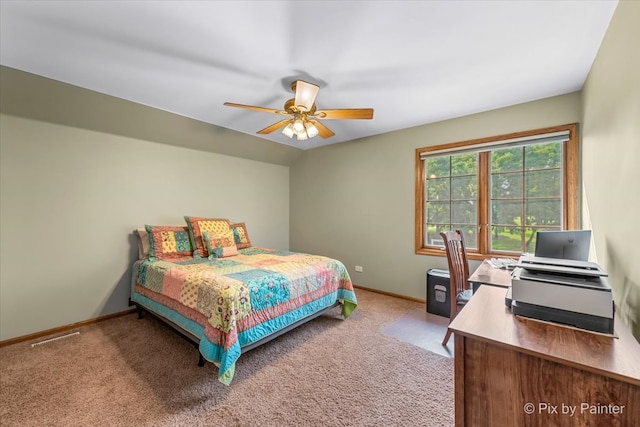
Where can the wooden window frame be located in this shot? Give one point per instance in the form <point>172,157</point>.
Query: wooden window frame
<point>570,169</point>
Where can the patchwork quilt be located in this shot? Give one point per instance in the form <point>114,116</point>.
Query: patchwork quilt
<point>232,302</point>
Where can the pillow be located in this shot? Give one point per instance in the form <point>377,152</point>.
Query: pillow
<point>166,242</point>
<point>220,245</point>
<point>197,225</point>
<point>240,235</point>
<point>143,242</point>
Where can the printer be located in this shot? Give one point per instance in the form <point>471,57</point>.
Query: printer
<point>570,292</point>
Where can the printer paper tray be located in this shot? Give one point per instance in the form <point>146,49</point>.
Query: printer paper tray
<point>579,320</point>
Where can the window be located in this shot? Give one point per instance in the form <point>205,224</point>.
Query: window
<point>452,196</point>
<point>499,191</point>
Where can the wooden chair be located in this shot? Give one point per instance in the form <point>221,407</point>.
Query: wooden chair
<point>460,289</point>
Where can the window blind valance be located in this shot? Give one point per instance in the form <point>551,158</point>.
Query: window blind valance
<point>560,136</point>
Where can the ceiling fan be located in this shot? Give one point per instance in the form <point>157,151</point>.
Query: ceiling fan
<point>303,123</point>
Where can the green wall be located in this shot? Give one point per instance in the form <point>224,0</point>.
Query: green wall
<point>611,159</point>
<point>70,199</point>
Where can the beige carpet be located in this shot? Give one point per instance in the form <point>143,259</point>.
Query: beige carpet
<point>330,372</point>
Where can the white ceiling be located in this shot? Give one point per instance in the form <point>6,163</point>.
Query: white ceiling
<point>414,62</point>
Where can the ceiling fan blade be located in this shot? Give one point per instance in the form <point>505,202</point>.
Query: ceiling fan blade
<point>306,94</point>
<point>323,131</point>
<point>345,113</point>
<point>274,126</point>
<point>252,107</point>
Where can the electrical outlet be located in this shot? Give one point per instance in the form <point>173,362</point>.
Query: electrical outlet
<point>359,268</point>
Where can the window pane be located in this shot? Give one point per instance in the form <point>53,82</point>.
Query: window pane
<point>506,185</point>
<point>438,213</point>
<point>438,167</point>
<point>464,164</point>
<point>545,213</point>
<point>541,194</point>
<point>506,212</point>
<point>464,212</point>
<point>529,240</point>
<point>542,156</point>
<point>441,188</point>
<point>507,159</point>
<point>506,239</point>
<point>433,234</point>
<point>544,183</point>
<point>438,189</point>
<point>470,235</point>
<point>464,187</point>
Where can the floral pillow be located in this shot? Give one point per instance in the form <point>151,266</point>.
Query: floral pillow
<point>220,245</point>
<point>240,235</point>
<point>169,242</point>
<point>198,225</point>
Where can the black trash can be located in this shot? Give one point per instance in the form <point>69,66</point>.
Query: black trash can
<point>438,292</point>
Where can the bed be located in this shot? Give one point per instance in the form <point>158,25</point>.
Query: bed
<point>228,296</point>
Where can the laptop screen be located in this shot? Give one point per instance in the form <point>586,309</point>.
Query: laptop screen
<point>565,244</point>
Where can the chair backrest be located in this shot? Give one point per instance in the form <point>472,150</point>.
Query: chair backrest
<point>458,265</point>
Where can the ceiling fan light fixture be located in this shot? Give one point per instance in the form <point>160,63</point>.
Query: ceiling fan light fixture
<point>302,136</point>
<point>306,94</point>
<point>311,129</point>
<point>288,130</point>
<point>298,125</point>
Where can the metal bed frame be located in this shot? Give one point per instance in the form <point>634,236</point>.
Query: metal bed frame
<point>195,340</point>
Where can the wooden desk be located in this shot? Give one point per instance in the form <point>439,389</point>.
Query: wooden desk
<point>486,274</point>
<point>507,365</point>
